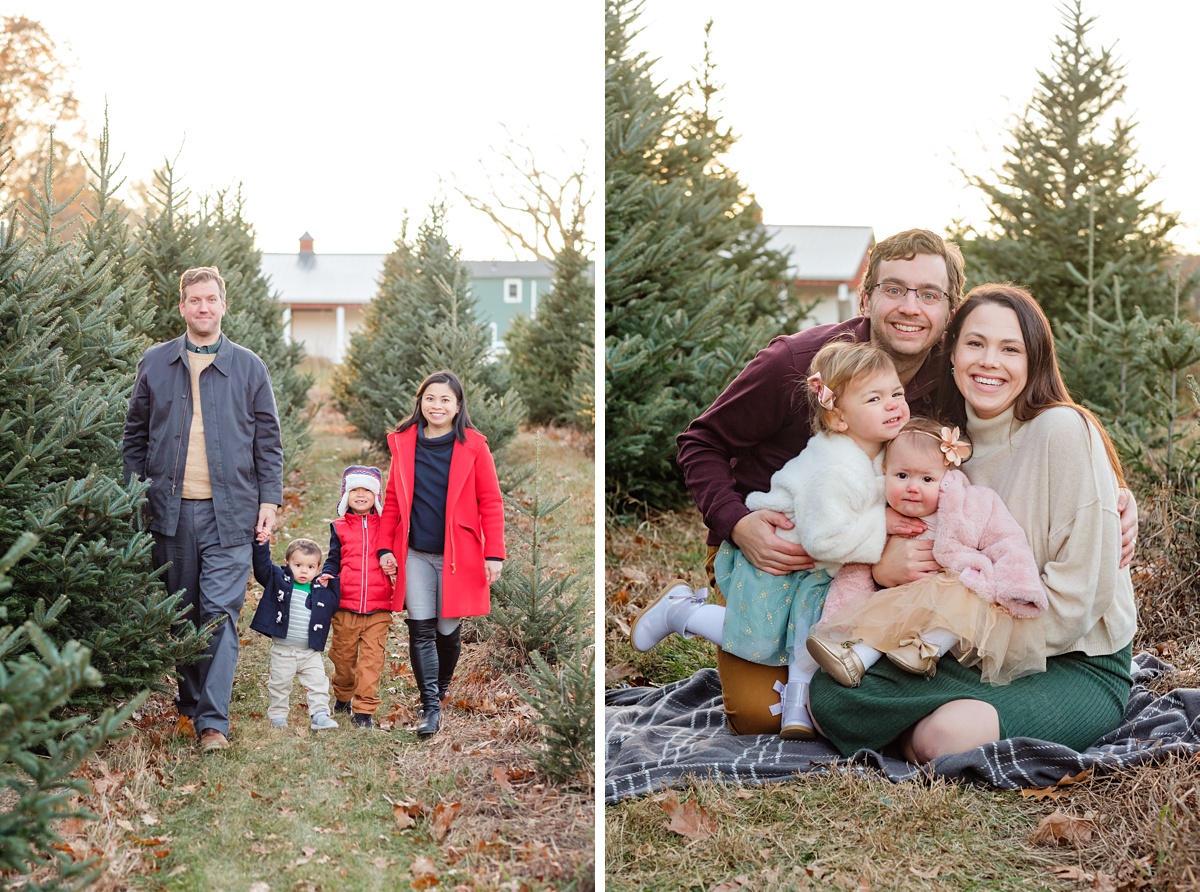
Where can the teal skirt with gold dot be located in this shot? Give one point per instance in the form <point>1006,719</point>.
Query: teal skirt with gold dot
<point>766,615</point>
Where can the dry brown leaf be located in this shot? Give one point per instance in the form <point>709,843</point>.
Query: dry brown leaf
<point>443,816</point>
<point>623,627</point>
<point>1042,793</point>
<point>1059,828</point>
<point>616,674</point>
<point>929,874</point>
<point>687,818</point>
<point>864,885</point>
<point>735,885</point>
<point>1084,775</point>
<point>149,820</point>
<point>500,776</point>
<point>423,866</point>
<point>633,574</point>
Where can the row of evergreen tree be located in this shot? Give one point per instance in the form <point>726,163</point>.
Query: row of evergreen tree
<point>692,289</point>
<point>84,621</point>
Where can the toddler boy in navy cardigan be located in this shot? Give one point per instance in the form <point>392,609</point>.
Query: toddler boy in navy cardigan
<point>295,611</point>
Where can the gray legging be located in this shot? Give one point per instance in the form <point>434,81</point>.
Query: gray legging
<point>423,589</point>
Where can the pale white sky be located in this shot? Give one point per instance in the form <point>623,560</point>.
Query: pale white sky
<point>338,117</point>
<point>857,113</point>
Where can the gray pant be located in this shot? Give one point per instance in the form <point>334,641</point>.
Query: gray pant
<point>423,589</point>
<point>214,582</point>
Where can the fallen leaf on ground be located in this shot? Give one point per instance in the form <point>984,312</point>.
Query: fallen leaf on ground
<point>423,866</point>
<point>1042,793</point>
<point>687,818</point>
<point>443,816</point>
<point>500,776</point>
<point>633,574</point>
<point>1101,882</point>
<point>1069,779</point>
<point>929,874</point>
<point>260,887</point>
<point>1059,828</point>
<point>735,885</point>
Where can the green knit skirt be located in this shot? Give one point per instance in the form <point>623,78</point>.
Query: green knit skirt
<point>1077,700</point>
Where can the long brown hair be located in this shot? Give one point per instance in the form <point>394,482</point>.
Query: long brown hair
<point>1044,387</point>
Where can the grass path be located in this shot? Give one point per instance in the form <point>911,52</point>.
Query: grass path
<point>346,809</point>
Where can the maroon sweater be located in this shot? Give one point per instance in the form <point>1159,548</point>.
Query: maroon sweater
<point>761,421</point>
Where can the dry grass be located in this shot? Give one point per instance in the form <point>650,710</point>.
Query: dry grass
<point>1133,830</point>
<point>346,809</point>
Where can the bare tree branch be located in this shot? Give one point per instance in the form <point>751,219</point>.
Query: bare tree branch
<point>536,210</point>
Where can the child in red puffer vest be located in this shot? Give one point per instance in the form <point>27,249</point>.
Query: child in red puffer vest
<point>360,627</point>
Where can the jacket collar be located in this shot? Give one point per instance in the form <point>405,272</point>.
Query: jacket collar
<point>224,361</point>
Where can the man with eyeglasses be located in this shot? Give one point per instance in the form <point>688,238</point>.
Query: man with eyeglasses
<point>911,288</point>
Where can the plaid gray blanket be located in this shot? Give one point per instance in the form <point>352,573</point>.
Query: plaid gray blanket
<point>657,737</point>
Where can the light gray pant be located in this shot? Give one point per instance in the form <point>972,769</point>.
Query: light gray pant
<point>423,589</point>
<point>289,662</point>
<point>214,582</point>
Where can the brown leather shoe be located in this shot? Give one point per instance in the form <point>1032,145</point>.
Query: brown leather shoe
<point>842,664</point>
<point>212,740</point>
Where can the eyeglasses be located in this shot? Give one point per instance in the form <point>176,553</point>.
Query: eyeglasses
<point>926,295</point>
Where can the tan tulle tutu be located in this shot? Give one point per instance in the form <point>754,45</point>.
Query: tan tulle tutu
<point>1004,647</point>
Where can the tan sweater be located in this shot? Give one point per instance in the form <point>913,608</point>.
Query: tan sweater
<point>1054,476</point>
<point>196,483</point>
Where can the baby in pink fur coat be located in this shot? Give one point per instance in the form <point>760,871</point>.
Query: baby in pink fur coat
<point>983,606</point>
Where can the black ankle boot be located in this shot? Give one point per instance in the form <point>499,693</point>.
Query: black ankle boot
<point>341,706</point>
<point>423,652</point>
<point>448,649</point>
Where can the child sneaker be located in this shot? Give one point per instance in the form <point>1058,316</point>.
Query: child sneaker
<point>362,720</point>
<point>322,721</point>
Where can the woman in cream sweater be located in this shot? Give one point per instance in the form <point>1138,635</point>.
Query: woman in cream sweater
<point>1057,472</point>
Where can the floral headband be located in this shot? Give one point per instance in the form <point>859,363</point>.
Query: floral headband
<point>824,394</point>
<point>955,450</point>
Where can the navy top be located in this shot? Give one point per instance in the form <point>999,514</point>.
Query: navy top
<point>431,477</point>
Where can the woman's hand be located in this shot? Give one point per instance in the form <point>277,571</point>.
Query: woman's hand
<point>905,560</point>
<point>900,525</point>
<point>1129,525</point>
<point>755,535</point>
<point>493,571</point>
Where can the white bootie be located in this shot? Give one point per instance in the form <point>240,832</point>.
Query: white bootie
<point>795,723</point>
<point>667,613</point>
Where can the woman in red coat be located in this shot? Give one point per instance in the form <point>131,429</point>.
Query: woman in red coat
<point>443,525</point>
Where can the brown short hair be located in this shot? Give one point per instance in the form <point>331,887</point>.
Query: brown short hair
<point>304,546</point>
<point>839,363</point>
<point>907,245</point>
<point>201,274</point>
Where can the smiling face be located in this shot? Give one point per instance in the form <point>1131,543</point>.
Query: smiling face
<point>991,366</point>
<point>360,500</point>
<point>202,308</point>
<point>907,328</point>
<point>439,405</point>
<point>871,410</point>
<point>913,470</point>
<point>304,566</point>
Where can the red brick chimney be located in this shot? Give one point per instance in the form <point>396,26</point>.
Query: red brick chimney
<point>306,244</point>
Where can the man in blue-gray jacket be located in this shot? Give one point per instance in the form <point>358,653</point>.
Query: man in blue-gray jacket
<point>203,429</point>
